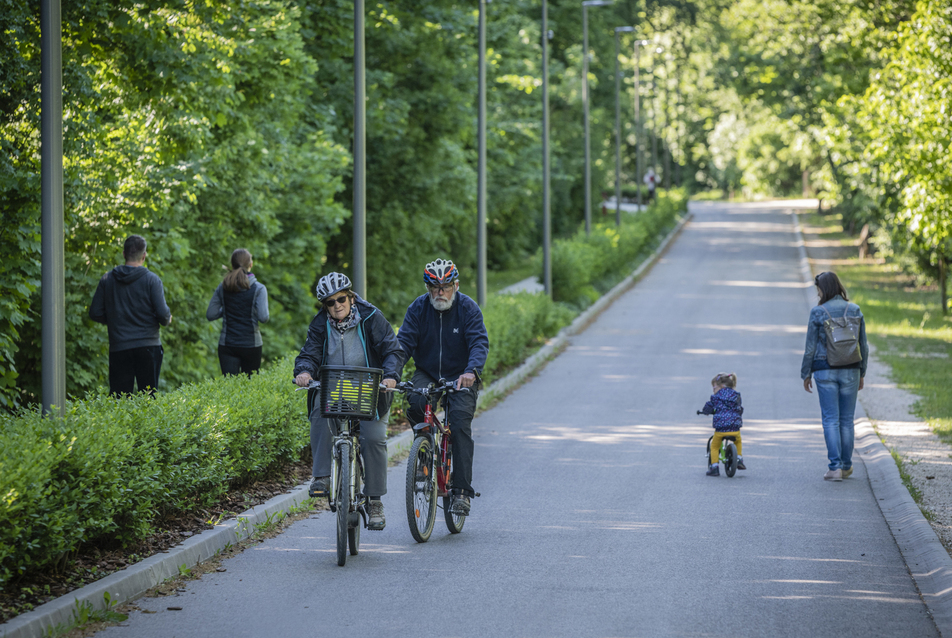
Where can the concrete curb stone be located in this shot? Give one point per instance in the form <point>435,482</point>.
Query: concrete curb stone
<point>130,583</point>
<point>927,559</point>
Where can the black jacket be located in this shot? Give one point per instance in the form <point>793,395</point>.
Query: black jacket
<point>131,302</point>
<point>381,348</point>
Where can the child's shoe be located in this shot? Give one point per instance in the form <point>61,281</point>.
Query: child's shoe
<point>714,470</point>
<point>740,463</point>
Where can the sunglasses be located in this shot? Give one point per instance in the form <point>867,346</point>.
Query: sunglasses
<point>445,288</point>
<point>330,303</point>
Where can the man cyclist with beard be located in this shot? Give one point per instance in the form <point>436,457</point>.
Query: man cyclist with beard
<point>444,332</point>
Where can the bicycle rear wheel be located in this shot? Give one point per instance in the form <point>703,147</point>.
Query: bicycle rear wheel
<point>343,503</point>
<point>454,522</point>
<point>421,490</point>
<point>730,458</point>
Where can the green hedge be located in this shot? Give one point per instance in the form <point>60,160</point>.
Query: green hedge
<point>110,468</point>
<point>584,266</point>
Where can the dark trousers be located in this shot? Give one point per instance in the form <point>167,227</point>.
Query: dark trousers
<point>239,360</point>
<point>135,367</point>
<point>461,406</point>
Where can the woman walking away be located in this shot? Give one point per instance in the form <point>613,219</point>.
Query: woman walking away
<point>241,303</point>
<point>836,356</point>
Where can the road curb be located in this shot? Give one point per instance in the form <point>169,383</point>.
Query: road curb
<point>131,582</point>
<point>512,380</point>
<point>925,556</point>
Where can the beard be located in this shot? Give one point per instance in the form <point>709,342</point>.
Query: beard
<point>442,305</point>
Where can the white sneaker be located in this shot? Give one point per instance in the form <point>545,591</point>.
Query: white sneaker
<point>833,475</point>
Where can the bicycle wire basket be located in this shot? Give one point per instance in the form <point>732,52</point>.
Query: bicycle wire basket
<point>350,392</point>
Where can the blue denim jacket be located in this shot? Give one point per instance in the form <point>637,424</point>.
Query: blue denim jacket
<point>814,355</point>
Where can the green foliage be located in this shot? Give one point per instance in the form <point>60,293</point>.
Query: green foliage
<point>110,467</point>
<point>516,324</point>
<point>585,266</point>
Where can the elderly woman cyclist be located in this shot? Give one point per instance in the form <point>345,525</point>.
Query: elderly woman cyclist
<point>349,331</point>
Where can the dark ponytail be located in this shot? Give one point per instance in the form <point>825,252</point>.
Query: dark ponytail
<point>237,279</point>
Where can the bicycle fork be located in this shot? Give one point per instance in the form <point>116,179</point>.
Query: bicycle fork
<point>342,446</point>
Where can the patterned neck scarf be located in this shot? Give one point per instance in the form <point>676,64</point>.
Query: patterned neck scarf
<point>347,322</point>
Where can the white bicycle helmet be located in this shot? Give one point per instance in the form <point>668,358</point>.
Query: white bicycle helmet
<point>440,271</point>
<point>332,283</point>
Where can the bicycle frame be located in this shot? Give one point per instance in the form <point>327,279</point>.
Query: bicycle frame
<point>439,433</point>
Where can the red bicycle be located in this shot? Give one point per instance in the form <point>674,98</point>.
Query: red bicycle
<point>429,468</point>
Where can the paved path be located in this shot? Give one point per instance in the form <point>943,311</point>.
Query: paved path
<point>596,517</point>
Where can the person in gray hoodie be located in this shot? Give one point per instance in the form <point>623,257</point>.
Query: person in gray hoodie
<point>130,300</point>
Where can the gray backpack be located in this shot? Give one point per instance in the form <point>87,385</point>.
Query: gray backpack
<point>842,339</point>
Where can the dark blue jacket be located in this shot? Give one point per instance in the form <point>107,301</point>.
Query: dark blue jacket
<point>727,410</point>
<point>445,344</point>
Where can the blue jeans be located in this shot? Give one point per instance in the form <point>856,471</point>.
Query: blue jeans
<point>837,389</point>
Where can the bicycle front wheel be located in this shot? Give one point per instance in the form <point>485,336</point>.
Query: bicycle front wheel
<point>353,530</point>
<point>730,458</point>
<point>343,503</point>
<point>421,490</point>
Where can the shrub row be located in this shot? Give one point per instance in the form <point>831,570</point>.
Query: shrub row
<point>581,262</point>
<point>110,468</point>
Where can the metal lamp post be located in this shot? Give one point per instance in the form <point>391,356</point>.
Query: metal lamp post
<point>618,126</point>
<point>588,134</point>
<point>360,153</point>
<point>481,175</point>
<point>546,203</point>
<point>51,205</point>
<point>639,129</point>
<point>654,124</point>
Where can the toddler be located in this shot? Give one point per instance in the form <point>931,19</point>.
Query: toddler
<point>726,408</point>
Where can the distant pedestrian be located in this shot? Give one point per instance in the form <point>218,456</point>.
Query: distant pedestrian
<point>651,181</point>
<point>839,368</point>
<point>130,300</point>
<point>241,303</point>
<point>726,407</point>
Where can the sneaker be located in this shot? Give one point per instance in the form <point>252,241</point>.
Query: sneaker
<point>377,520</point>
<point>847,472</point>
<point>740,463</point>
<point>714,470</point>
<point>833,475</point>
<point>460,505</point>
<point>319,487</point>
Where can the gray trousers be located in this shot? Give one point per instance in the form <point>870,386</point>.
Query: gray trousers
<point>373,446</point>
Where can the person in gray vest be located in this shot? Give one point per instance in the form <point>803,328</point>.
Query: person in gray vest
<point>130,300</point>
<point>349,331</point>
<point>241,303</point>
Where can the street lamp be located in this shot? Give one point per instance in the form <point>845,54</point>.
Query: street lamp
<point>51,206</point>
<point>639,130</point>
<point>481,169</point>
<point>618,127</point>
<point>654,122</point>
<point>360,153</point>
<point>588,135</point>
<point>546,203</point>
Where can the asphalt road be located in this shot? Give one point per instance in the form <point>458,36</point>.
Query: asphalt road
<point>596,517</point>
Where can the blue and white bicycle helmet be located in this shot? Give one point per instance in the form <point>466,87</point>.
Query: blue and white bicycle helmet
<point>440,271</point>
<point>331,284</point>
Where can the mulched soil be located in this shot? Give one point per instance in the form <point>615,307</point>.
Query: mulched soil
<point>93,562</point>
